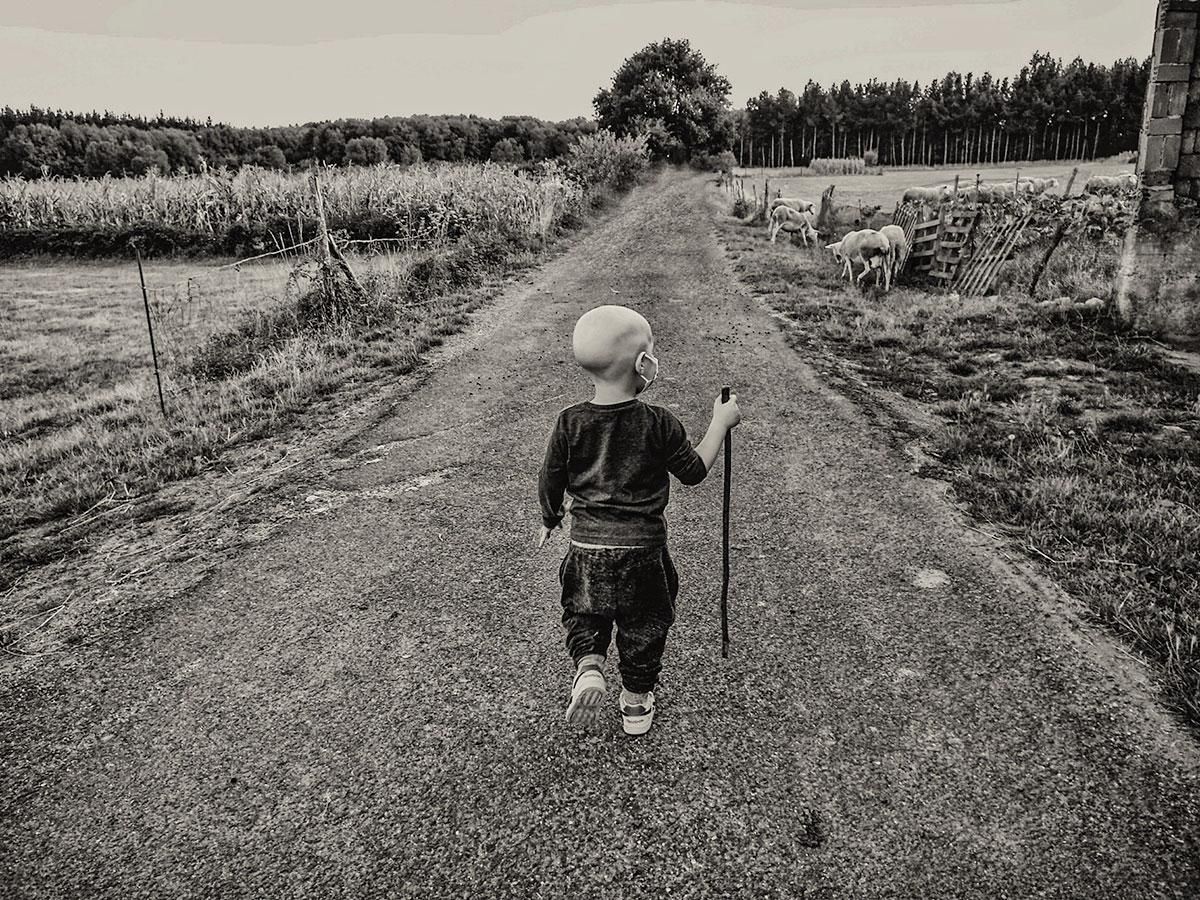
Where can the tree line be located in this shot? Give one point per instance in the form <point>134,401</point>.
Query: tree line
<point>35,141</point>
<point>666,92</point>
<point>1050,110</point>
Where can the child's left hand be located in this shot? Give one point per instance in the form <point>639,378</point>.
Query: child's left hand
<point>543,536</point>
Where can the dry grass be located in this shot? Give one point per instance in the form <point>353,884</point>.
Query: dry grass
<point>1080,438</point>
<point>79,416</point>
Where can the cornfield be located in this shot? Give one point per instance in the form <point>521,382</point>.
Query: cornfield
<point>420,202</point>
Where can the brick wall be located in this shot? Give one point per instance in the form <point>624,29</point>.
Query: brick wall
<point>1169,157</point>
<point>1158,285</point>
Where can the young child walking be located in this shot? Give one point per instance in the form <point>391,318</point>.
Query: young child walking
<point>612,456</point>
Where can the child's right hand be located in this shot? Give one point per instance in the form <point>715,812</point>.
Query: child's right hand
<point>727,413</point>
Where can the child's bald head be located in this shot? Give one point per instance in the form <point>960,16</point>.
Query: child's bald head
<point>608,339</point>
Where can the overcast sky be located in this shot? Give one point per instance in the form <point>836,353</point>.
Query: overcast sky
<point>273,62</point>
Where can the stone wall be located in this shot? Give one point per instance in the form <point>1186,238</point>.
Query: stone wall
<point>1158,287</point>
<point>1169,158</point>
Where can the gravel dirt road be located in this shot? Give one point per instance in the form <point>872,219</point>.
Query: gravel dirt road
<point>369,701</point>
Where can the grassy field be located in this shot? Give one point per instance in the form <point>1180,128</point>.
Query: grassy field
<point>1079,439</point>
<point>81,434</point>
<point>887,188</point>
<point>243,349</point>
<point>77,339</point>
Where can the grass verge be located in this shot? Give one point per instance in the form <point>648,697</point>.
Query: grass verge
<point>1079,437</point>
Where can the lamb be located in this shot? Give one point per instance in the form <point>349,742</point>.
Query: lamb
<point>1110,184</point>
<point>868,247</point>
<point>795,203</point>
<point>784,218</point>
<point>897,241</point>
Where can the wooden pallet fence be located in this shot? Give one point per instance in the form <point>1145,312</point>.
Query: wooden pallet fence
<point>907,218</point>
<point>977,275</point>
<point>922,240</point>
<point>956,245</point>
<point>957,226</point>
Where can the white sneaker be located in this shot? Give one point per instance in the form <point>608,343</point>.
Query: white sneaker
<point>587,693</point>
<point>636,718</point>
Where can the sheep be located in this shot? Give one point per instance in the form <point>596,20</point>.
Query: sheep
<point>927,194</point>
<point>784,218</point>
<point>1041,185</point>
<point>1110,184</point>
<point>1037,186</point>
<point>838,256</point>
<point>866,246</point>
<point>795,203</point>
<point>897,241</point>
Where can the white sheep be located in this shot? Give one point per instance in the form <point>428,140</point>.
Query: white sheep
<point>784,218</point>
<point>927,194</point>
<point>897,241</point>
<point>866,246</point>
<point>1110,184</point>
<point>794,203</point>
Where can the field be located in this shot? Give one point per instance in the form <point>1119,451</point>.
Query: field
<point>242,348</point>
<point>81,433</point>
<point>886,189</point>
<point>1074,436</point>
<point>77,338</point>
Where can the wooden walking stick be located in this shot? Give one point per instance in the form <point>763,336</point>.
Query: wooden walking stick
<point>725,534</point>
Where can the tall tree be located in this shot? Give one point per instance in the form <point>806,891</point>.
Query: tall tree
<point>667,88</point>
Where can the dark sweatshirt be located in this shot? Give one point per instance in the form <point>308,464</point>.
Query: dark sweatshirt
<point>614,461</point>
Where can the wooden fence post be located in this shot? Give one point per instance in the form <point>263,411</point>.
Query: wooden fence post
<point>825,216</point>
<point>1045,261</point>
<point>325,257</point>
<point>162,404</point>
<point>1071,181</point>
<point>328,249</point>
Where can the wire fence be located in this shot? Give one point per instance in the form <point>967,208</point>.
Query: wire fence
<point>185,313</point>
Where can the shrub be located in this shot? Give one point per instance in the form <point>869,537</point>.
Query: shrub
<point>232,352</point>
<point>270,157</point>
<point>366,151</point>
<point>604,158</point>
<point>715,162</point>
<point>871,158</point>
<point>507,150</point>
